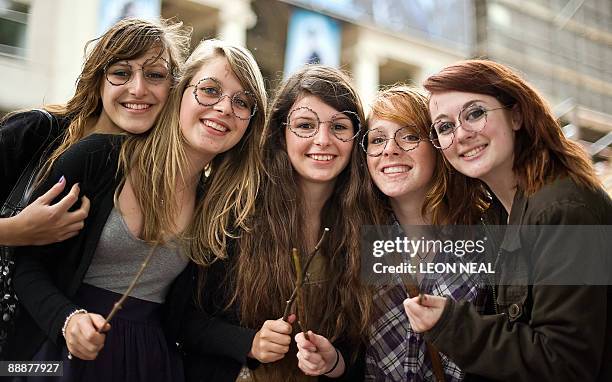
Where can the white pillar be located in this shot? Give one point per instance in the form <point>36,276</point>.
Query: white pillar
<point>235,18</point>
<point>365,69</point>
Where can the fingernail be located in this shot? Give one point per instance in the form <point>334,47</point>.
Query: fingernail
<point>62,179</point>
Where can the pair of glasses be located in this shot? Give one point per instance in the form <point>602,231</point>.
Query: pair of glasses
<point>472,118</point>
<point>375,141</point>
<point>155,71</point>
<point>304,122</point>
<point>208,92</point>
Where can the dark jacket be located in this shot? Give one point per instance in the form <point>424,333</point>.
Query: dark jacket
<point>48,277</point>
<point>215,344</point>
<point>543,332</point>
<point>25,137</point>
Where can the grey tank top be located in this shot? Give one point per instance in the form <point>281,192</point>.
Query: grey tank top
<point>118,258</point>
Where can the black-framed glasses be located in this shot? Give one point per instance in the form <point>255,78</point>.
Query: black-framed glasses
<point>208,92</point>
<point>155,71</point>
<point>304,122</point>
<point>374,141</point>
<point>472,118</point>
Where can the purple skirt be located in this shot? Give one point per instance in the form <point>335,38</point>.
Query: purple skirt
<point>135,349</point>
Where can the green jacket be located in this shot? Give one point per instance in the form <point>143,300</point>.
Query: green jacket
<point>541,332</point>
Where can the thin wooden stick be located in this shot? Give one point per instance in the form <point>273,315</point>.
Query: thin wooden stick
<point>119,304</point>
<point>308,261</point>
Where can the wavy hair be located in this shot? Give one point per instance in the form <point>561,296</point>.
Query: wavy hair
<point>155,162</point>
<point>541,152</point>
<point>127,39</point>
<point>264,272</point>
<point>408,105</point>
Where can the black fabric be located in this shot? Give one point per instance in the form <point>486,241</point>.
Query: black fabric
<point>48,277</point>
<point>26,141</point>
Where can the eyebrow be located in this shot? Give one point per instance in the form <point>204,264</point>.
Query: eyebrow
<point>465,105</point>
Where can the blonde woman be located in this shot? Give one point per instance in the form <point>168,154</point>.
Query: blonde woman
<point>157,201</point>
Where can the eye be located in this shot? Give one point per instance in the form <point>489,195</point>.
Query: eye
<point>155,75</point>
<point>241,100</point>
<point>123,73</point>
<point>474,114</point>
<point>410,138</point>
<point>444,128</point>
<point>209,91</point>
<point>377,140</point>
<point>339,126</point>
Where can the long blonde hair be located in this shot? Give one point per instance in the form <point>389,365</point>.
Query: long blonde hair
<point>127,39</point>
<point>155,163</point>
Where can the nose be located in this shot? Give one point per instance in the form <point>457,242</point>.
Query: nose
<point>138,84</point>
<point>323,136</point>
<point>391,148</point>
<point>462,134</point>
<point>224,105</point>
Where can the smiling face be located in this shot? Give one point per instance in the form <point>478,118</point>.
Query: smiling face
<point>211,130</point>
<point>398,173</point>
<point>134,106</point>
<point>487,154</point>
<point>322,157</point>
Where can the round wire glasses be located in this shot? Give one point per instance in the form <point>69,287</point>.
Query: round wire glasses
<point>155,71</point>
<point>374,141</point>
<point>208,92</point>
<point>472,118</point>
<point>304,122</point>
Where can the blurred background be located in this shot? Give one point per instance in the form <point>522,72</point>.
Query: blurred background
<point>562,47</point>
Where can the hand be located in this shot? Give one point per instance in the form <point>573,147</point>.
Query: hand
<point>425,315</point>
<point>318,355</point>
<point>82,337</point>
<point>41,223</point>
<point>271,342</point>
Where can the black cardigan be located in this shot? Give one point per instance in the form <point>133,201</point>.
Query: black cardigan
<point>22,139</point>
<point>47,277</point>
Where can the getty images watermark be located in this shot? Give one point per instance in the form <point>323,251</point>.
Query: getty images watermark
<point>509,255</point>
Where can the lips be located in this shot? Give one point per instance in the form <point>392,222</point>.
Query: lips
<point>321,157</point>
<point>215,125</point>
<point>136,106</point>
<point>396,169</point>
<point>473,152</point>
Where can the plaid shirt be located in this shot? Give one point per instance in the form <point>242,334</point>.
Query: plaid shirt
<point>395,352</point>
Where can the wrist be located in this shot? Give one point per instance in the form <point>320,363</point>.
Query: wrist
<point>10,231</point>
<point>74,313</point>
<point>333,368</point>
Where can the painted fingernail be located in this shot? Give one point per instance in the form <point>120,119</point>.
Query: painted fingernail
<point>62,179</point>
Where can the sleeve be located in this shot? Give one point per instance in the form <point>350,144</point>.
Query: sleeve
<point>564,336</point>
<point>35,287</point>
<point>22,139</point>
<point>208,334</point>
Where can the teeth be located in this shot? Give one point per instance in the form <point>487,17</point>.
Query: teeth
<point>137,106</point>
<point>215,126</point>
<point>321,157</point>
<point>395,169</point>
<point>473,151</point>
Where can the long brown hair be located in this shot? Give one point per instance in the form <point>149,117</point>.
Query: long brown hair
<point>407,105</point>
<point>541,152</point>
<point>155,162</point>
<point>127,39</point>
<point>264,272</point>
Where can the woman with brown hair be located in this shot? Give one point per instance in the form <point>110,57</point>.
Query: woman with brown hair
<point>407,179</point>
<point>312,181</point>
<point>122,88</point>
<point>163,192</point>
<point>553,313</point>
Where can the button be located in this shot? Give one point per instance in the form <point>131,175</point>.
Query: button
<point>514,311</point>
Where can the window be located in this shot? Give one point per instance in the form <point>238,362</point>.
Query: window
<point>13,27</point>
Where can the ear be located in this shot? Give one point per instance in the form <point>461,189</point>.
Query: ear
<point>516,117</point>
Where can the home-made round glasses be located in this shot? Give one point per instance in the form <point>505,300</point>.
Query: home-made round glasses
<point>304,122</point>
<point>208,92</point>
<point>375,141</point>
<point>472,118</point>
<point>121,72</point>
